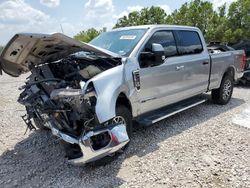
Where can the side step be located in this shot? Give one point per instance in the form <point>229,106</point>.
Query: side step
<point>160,114</point>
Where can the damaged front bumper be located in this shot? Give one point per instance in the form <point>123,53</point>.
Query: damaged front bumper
<point>69,115</point>
<point>118,139</point>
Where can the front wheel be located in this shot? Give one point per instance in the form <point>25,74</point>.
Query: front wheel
<point>124,116</point>
<point>39,124</point>
<point>223,94</point>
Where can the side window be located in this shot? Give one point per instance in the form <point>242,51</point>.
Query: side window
<point>189,43</point>
<point>166,39</point>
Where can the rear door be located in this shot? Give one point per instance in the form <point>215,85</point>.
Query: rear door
<point>195,62</point>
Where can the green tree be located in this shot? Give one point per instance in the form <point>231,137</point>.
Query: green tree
<point>88,35</point>
<point>220,25</point>
<point>217,25</point>
<point>228,36</point>
<point>197,13</point>
<point>238,20</point>
<point>152,15</point>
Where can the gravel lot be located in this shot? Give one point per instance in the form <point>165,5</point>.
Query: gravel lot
<point>200,147</point>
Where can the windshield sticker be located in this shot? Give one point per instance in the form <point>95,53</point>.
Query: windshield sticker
<point>128,37</point>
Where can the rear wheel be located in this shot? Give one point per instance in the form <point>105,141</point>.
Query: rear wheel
<point>123,115</point>
<point>223,94</point>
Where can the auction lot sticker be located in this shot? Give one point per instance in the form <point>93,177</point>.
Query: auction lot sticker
<point>128,37</point>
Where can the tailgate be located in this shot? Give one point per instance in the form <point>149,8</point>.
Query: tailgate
<point>239,60</point>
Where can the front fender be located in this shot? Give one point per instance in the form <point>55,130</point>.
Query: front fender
<point>108,86</point>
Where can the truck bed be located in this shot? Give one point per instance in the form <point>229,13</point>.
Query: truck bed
<point>220,62</point>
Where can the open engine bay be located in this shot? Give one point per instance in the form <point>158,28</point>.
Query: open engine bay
<point>54,93</point>
<point>55,96</point>
<point>67,92</point>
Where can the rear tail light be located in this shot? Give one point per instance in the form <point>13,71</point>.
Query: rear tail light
<point>243,62</point>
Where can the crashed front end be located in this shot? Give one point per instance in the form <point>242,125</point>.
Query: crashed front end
<point>59,94</point>
<point>70,114</point>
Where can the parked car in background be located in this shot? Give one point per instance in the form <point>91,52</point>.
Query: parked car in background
<point>245,80</point>
<point>143,74</point>
<point>244,45</point>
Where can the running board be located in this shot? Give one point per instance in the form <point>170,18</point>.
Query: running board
<point>160,114</point>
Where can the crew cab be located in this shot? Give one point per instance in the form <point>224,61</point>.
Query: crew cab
<point>90,95</point>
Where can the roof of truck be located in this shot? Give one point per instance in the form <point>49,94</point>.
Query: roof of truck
<point>156,26</point>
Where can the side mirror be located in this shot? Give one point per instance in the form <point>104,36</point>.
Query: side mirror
<point>154,57</point>
<point>159,53</point>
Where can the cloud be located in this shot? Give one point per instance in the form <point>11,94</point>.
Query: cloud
<point>166,8</point>
<point>50,3</point>
<point>25,13</point>
<point>130,9</point>
<point>219,3</point>
<point>98,14</point>
<point>127,11</point>
<point>99,7</point>
<point>134,8</point>
<point>28,19</point>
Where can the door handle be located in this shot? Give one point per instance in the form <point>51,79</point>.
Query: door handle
<point>205,63</point>
<point>177,68</point>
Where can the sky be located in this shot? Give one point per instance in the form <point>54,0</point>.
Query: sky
<point>72,16</point>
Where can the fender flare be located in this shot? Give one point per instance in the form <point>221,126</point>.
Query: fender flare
<point>229,70</point>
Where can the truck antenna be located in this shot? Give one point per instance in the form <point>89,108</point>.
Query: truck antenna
<point>61,28</point>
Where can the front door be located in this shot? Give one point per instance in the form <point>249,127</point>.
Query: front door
<point>160,84</point>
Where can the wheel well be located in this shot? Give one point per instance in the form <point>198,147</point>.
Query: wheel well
<point>123,100</point>
<point>229,72</point>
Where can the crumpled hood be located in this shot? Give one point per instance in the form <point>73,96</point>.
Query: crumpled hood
<point>25,51</point>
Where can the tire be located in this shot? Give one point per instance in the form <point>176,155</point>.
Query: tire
<point>223,94</point>
<point>39,124</point>
<point>124,112</point>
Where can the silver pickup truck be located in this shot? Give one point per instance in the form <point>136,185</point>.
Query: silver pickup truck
<point>91,95</point>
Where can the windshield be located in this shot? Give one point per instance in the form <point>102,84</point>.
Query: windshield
<point>120,42</point>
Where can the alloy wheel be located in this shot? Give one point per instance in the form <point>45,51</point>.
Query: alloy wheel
<point>227,89</point>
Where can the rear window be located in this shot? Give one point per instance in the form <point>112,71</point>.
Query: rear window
<point>188,43</point>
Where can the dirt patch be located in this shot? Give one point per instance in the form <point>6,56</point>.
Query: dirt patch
<point>197,148</point>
